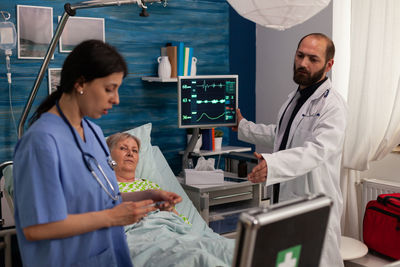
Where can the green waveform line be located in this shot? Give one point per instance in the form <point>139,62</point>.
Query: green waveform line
<point>211,118</point>
<point>205,85</point>
<point>213,101</point>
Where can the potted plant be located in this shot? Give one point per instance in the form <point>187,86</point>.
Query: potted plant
<point>218,134</point>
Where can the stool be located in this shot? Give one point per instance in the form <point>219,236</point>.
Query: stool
<point>351,248</point>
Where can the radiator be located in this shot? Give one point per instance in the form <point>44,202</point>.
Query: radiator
<point>374,187</point>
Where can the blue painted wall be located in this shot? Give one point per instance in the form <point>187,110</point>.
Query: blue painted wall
<point>201,24</point>
<point>242,55</point>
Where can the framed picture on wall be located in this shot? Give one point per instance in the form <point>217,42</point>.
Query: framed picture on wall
<point>35,30</point>
<point>54,76</point>
<point>79,29</point>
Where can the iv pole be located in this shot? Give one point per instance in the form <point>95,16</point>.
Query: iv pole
<point>69,10</point>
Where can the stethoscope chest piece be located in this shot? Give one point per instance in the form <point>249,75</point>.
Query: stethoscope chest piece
<point>112,163</point>
<point>88,159</point>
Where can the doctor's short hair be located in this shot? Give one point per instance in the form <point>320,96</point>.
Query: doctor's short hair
<point>330,46</point>
<point>114,139</point>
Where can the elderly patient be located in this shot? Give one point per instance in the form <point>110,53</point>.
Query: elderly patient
<point>124,149</point>
<point>163,238</point>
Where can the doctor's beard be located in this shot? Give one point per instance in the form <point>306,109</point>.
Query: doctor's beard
<point>306,79</point>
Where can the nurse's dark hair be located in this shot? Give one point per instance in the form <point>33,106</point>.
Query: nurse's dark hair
<point>330,46</point>
<point>89,60</point>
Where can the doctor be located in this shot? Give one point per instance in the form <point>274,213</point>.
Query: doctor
<point>308,138</point>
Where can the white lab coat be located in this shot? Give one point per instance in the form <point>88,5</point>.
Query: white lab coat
<point>311,161</point>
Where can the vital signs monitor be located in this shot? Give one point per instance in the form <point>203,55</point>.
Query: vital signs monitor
<point>207,101</point>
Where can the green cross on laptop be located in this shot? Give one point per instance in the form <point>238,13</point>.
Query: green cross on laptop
<point>289,257</point>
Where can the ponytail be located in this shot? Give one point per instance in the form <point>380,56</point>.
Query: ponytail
<point>47,103</point>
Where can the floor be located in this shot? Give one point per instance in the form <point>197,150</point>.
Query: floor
<point>371,260</point>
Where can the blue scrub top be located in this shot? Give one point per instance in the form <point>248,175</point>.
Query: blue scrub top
<point>52,181</point>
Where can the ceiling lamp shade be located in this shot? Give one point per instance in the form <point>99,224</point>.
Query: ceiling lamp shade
<point>278,14</point>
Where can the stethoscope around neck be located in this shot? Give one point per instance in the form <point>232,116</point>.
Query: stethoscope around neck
<point>87,157</point>
<point>326,93</point>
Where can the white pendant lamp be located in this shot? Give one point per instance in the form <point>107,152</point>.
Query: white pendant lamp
<point>278,14</point>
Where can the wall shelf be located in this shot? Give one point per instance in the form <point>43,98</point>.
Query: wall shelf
<point>224,150</point>
<point>158,79</point>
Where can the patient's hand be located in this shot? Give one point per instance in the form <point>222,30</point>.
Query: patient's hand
<point>169,198</point>
<point>130,212</point>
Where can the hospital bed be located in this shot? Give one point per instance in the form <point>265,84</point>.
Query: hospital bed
<point>161,234</point>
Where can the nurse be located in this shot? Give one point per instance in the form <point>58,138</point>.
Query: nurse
<point>307,139</point>
<point>68,210</point>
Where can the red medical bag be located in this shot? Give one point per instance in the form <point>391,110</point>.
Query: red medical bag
<point>381,226</point>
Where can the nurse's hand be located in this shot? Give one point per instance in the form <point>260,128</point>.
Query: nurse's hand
<point>260,171</point>
<point>130,212</point>
<point>239,118</point>
<point>168,199</point>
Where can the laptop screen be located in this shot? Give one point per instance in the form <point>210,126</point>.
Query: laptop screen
<point>287,234</point>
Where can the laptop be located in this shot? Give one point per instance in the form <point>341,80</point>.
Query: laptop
<point>288,234</point>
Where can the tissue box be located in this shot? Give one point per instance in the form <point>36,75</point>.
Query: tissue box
<point>193,177</point>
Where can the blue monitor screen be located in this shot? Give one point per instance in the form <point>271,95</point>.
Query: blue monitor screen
<point>207,101</point>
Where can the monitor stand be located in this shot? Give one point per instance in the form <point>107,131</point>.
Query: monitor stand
<point>189,148</point>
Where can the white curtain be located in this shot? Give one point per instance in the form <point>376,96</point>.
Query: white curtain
<point>373,97</point>
<point>341,37</point>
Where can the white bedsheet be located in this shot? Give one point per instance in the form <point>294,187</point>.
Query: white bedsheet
<point>164,239</point>
<point>166,179</point>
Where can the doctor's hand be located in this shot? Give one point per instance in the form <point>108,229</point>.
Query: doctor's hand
<point>260,171</point>
<point>129,212</point>
<point>239,118</point>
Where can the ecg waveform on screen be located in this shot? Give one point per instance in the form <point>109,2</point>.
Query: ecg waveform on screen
<point>213,101</point>
<point>205,86</point>
<point>211,118</point>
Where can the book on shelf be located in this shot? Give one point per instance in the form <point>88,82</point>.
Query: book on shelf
<point>213,138</point>
<point>188,61</point>
<point>172,56</point>
<point>207,139</point>
<point>180,57</point>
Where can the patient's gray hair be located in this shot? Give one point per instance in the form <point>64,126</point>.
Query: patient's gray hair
<point>113,140</point>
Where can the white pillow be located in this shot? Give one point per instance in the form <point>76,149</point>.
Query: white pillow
<point>146,167</point>
<point>8,179</point>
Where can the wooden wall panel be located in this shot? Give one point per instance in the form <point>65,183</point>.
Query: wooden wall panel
<point>201,24</point>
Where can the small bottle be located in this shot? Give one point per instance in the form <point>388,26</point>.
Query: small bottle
<point>242,168</point>
<point>190,163</point>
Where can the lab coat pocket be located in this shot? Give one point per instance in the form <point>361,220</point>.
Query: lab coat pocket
<point>303,133</point>
<point>103,259</point>
<point>305,129</point>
